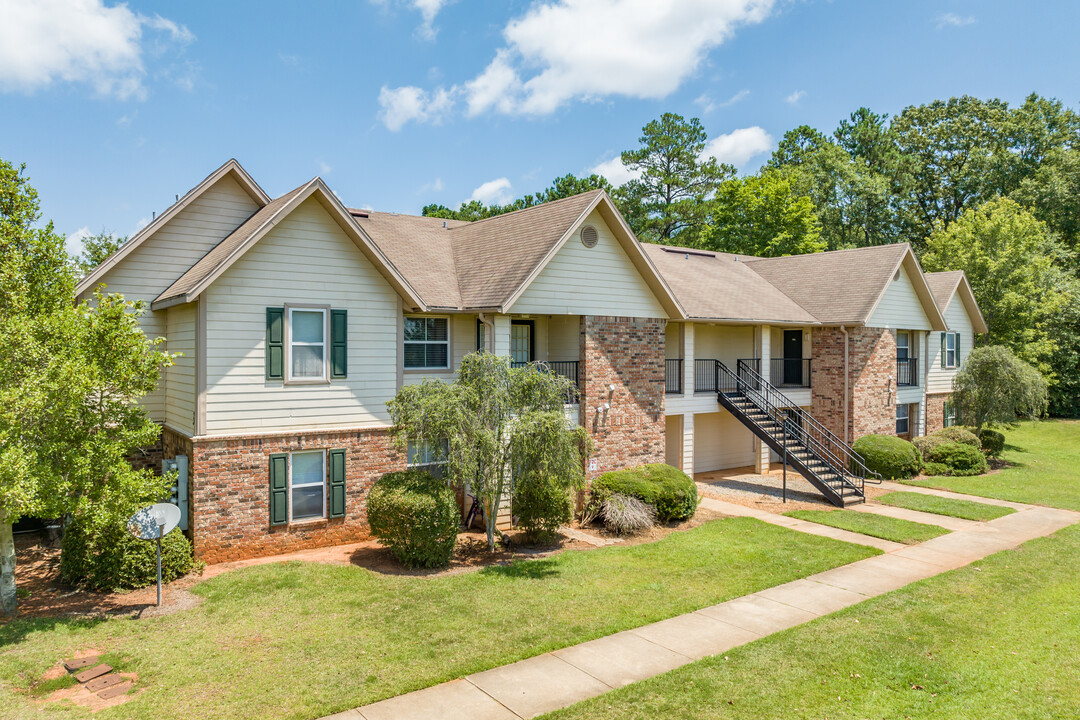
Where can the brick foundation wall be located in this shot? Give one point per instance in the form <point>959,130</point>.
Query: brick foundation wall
<point>628,353</point>
<point>935,411</point>
<point>871,367</point>
<point>230,504</point>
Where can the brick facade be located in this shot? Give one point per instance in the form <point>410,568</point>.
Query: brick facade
<point>871,408</point>
<point>627,353</point>
<point>935,411</point>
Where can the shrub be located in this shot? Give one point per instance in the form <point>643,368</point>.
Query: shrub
<point>925,443</point>
<point>626,515</point>
<point>957,434</point>
<point>936,469</point>
<point>671,491</point>
<point>415,516</point>
<point>105,556</point>
<point>889,455</point>
<point>993,442</point>
<point>541,506</point>
<point>959,458</point>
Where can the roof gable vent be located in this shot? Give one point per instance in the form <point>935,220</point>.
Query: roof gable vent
<point>589,236</point>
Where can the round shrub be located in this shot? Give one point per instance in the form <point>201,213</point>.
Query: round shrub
<point>626,515</point>
<point>993,442</point>
<point>925,443</point>
<point>959,435</point>
<point>542,506</point>
<point>668,489</point>
<point>415,516</point>
<point>935,469</point>
<point>960,458</point>
<point>105,556</point>
<point>889,455</point>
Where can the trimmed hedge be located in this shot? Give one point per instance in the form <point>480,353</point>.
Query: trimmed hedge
<point>959,458</point>
<point>671,491</point>
<point>108,557</point>
<point>959,435</point>
<point>926,443</point>
<point>993,442</point>
<point>889,455</point>
<point>416,516</point>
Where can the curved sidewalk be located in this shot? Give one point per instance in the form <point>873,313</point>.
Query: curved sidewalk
<point>554,680</point>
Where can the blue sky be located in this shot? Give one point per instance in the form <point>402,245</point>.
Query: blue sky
<point>396,103</point>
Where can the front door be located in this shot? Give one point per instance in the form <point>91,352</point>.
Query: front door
<point>521,341</point>
<point>793,357</point>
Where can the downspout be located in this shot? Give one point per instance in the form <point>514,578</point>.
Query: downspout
<point>489,333</point>
<point>847,427</point>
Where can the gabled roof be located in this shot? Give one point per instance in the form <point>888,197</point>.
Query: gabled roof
<point>192,283</point>
<point>488,264</point>
<point>721,287</point>
<point>231,168</point>
<point>844,287</point>
<point>946,285</point>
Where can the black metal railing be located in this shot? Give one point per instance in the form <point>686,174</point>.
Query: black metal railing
<point>790,372</point>
<point>907,371</point>
<point>563,368</point>
<point>673,376</point>
<point>822,442</point>
<point>704,375</point>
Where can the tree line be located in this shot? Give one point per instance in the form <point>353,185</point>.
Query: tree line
<point>971,184</point>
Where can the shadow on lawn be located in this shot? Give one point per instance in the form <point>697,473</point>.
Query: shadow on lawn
<point>524,569</point>
<point>15,630</point>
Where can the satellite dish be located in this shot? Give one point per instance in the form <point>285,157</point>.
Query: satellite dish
<point>154,522</point>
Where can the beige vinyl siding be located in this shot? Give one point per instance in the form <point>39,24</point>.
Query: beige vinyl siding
<point>180,391</point>
<point>939,379</point>
<point>563,337</point>
<point>590,281</point>
<point>673,341</point>
<point>306,258</point>
<point>900,307</point>
<point>726,343</point>
<point>720,442</point>
<point>673,440</point>
<point>170,251</point>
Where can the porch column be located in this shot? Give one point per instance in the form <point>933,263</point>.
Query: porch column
<point>688,362</point>
<point>761,450</point>
<point>688,443</point>
<point>501,341</point>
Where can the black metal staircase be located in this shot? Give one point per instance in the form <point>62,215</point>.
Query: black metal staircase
<point>813,450</point>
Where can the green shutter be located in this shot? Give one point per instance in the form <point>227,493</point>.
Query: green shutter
<point>957,349</point>
<point>279,489</point>
<point>944,347</point>
<point>337,483</point>
<point>339,344</point>
<point>275,343</point>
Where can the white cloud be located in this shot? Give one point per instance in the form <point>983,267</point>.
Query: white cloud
<point>400,105</point>
<point>494,192</point>
<point>143,222</point>
<point>616,173</point>
<point>324,168</point>
<point>954,20</point>
<point>79,41</point>
<point>74,242</point>
<point>564,50</point>
<point>428,10</point>
<point>795,97</point>
<point>738,146</point>
<point>708,104</point>
<point>436,186</point>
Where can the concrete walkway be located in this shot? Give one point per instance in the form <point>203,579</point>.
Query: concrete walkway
<point>554,680</point>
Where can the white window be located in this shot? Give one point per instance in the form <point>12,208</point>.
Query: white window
<point>307,344</point>
<point>307,481</point>
<point>950,414</point>
<point>903,419</point>
<point>952,349</point>
<point>427,455</point>
<point>427,343</point>
<point>903,345</point>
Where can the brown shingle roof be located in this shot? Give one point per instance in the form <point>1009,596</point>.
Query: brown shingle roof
<point>841,286</point>
<point>220,253</point>
<point>720,286</point>
<point>943,285</point>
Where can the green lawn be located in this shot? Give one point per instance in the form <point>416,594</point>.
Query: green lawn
<point>301,640</point>
<point>998,639</point>
<point>964,509</point>
<point>1044,462</point>
<point>879,526</point>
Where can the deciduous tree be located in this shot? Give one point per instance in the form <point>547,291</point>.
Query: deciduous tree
<point>997,388</point>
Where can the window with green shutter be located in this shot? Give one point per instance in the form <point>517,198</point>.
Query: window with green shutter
<point>279,489</point>
<point>275,343</point>
<point>339,344</point>
<point>336,461</point>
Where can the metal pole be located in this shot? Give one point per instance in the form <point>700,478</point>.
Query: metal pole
<point>785,461</point>
<point>160,529</point>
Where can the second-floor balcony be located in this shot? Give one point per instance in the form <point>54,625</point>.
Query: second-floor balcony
<point>564,368</point>
<point>673,376</point>
<point>907,372</point>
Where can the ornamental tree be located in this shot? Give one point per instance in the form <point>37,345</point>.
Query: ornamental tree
<point>494,429</point>
<point>69,378</point>
<point>997,388</point>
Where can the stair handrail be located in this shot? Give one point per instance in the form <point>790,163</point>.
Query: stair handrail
<point>851,462</point>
